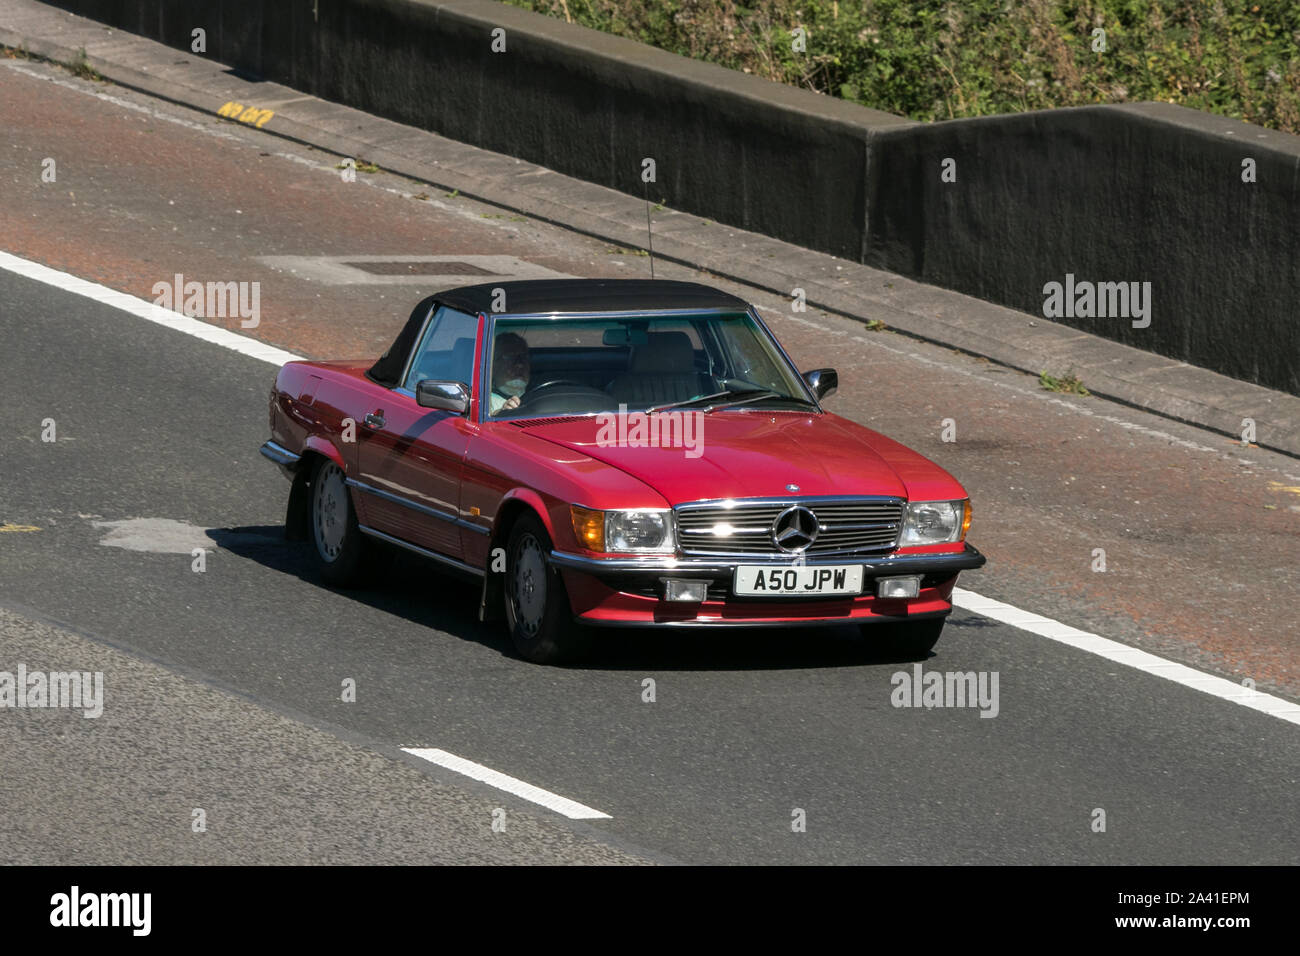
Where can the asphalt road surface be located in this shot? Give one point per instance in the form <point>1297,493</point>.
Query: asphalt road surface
<point>744,729</point>
<point>223,687</point>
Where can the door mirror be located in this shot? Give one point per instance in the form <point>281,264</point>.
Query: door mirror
<point>452,396</point>
<point>822,381</point>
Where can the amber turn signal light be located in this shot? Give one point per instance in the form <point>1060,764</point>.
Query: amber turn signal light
<point>589,527</point>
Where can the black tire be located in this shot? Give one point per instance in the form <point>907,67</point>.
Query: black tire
<point>905,639</point>
<point>536,604</point>
<point>337,544</point>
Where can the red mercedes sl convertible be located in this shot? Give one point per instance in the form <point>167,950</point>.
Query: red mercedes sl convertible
<point>616,453</point>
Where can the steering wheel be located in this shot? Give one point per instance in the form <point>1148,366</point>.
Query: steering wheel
<point>556,381</point>
<point>563,396</point>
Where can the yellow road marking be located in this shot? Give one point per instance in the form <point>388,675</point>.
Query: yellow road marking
<point>1278,486</point>
<point>245,114</point>
<point>18,527</point>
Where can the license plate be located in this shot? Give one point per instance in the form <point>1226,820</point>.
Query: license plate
<point>796,582</point>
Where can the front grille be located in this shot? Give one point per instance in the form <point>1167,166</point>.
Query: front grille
<point>847,526</point>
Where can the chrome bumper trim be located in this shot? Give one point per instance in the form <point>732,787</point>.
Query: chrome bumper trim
<point>280,455</point>
<point>896,564</point>
<point>759,624</point>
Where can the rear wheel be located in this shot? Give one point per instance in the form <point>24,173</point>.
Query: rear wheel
<point>905,638</point>
<point>337,542</point>
<point>537,606</point>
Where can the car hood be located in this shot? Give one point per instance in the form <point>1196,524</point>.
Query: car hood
<point>745,455</point>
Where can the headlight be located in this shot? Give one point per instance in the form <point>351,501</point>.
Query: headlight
<point>635,531</point>
<point>935,522</point>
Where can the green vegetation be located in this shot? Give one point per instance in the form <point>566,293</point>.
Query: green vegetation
<point>936,60</point>
<point>1069,384</point>
<point>80,67</point>
<point>360,165</point>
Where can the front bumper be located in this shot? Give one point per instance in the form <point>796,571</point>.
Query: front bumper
<point>282,456</point>
<point>885,565</point>
<point>628,591</point>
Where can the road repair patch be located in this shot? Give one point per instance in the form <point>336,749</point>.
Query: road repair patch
<point>398,270</point>
<point>155,535</point>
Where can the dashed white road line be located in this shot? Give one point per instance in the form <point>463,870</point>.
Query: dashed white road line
<point>967,600</point>
<point>552,801</point>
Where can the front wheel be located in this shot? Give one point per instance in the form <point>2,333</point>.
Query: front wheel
<point>909,639</point>
<point>337,542</point>
<point>536,603</point>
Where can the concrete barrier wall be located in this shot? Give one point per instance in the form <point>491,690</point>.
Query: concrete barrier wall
<point>1148,193</point>
<point>732,148</point>
<point>1141,193</point>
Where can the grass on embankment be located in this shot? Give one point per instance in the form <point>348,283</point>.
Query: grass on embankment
<point>931,60</point>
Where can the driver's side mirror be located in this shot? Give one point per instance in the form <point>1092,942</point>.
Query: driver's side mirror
<point>452,396</point>
<point>822,381</point>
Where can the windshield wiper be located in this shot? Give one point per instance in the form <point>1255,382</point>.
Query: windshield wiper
<point>733,397</point>
<point>699,398</point>
<point>759,398</point>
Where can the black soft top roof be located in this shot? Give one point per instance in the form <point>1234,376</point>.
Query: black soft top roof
<point>388,370</point>
<point>532,296</point>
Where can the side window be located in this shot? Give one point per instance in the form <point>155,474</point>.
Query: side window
<point>446,353</point>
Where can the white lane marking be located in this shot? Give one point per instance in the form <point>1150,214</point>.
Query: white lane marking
<point>875,340</point>
<point>494,778</point>
<point>968,600</point>
<point>267,353</point>
<point>461,210</point>
<point>1219,687</point>
<point>242,344</point>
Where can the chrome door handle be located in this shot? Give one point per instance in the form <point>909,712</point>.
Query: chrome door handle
<point>375,421</point>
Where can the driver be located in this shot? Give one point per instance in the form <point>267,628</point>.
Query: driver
<point>510,370</point>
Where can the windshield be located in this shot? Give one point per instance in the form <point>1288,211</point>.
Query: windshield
<point>579,366</point>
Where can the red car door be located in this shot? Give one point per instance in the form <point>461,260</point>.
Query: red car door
<point>409,458</point>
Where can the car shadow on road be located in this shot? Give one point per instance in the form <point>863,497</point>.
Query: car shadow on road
<point>404,590</point>
<point>770,648</point>
<point>402,584</point>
